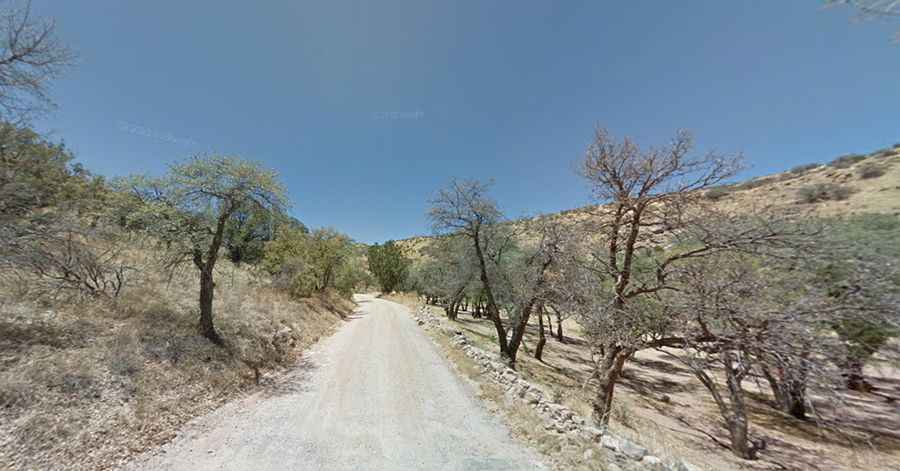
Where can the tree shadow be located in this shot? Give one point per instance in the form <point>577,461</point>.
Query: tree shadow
<point>296,381</point>
<point>18,337</point>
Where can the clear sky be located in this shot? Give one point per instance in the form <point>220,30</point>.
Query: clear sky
<point>367,107</point>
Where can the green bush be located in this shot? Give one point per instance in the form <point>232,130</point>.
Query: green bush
<point>304,263</point>
<point>800,169</point>
<point>823,192</point>
<point>755,183</point>
<point>718,192</point>
<point>846,161</point>
<point>870,170</point>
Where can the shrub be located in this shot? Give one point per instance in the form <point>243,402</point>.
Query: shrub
<point>718,192</point>
<point>870,171</point>
<point>823,192</point>
<point>755,183</point>
<point>306,263</point>
<point>64,259</point>
<point>846,161</point>
<point>800,169</point>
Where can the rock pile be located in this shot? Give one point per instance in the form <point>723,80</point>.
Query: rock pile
<point>558,418</point>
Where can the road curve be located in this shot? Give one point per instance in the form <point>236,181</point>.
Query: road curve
<point>376,395</point>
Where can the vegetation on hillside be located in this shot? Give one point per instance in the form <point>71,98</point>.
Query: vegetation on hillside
<point>129,307</point>
<point>388,265</point>
<point>734,295</point>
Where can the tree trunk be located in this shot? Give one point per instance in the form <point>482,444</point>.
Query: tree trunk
<point>610,369</point>
<point>492,310</point>
<point>789,392</point>
<point>559,329</point>
<point>207,285</point>
<point>207,288</point>
<point>542,339</point>
<point>740,440</point>
<point>518,333</point>
<point>450,310</point>
<point>854,376</point>
<point>736,414</point>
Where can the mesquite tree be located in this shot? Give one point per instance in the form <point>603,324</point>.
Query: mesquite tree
<point>864,263</point>
<point>189,209</point>
<point>731,321</point>
<point>524,280</point>
<point>513,276</point>
<point>464,209</point>
<point>615,278</point>
<point>453,269</point>
<point>769,313</point>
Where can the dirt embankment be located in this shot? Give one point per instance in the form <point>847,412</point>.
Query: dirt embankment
<point>87,385</point>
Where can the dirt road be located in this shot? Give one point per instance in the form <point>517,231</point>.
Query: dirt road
<point>376,395</point>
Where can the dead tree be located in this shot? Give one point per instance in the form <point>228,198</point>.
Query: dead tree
<point>645,194</point>
<point>30,57</point>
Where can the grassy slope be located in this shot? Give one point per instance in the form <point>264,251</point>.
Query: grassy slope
<point>662,406</point>
<point>779,192</point>
<point>85,385</point>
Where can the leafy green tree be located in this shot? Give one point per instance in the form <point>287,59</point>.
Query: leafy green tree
<point>314,262</point>
<point>388,265</point>
<point>248,232</point>
<point>449,272</point>
<point>37,174</point>
<point>189,210</point>
<point>863,265</point>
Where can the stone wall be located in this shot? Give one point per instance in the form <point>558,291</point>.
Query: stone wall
<point>621,453</point>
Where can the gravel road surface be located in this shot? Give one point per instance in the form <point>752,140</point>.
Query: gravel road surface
<point>376,395</point>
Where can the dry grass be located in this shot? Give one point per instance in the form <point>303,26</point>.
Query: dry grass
<point>874,194</point>
<point>662,406</point>
<point>84,386</point>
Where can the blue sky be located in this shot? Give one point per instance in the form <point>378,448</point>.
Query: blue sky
<point>366,108</point>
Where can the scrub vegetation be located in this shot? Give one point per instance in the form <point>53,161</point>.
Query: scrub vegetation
<point>766,306</point>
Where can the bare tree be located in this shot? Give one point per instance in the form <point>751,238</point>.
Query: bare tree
<point>58,255</point>
<point>613,284</point>
<point>871,7</point>
<point>464,208</point>
<point>30,57</point>
<point>729,325</point>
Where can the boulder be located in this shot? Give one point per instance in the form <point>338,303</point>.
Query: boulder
<point>682,465</point>
<point>610,442</point>
<point>652,463</point>
<point>632,450</point>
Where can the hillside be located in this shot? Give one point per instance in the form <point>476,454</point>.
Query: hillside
<point>875,193</point>
<point>87,385</point>
<point>663,404</point>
